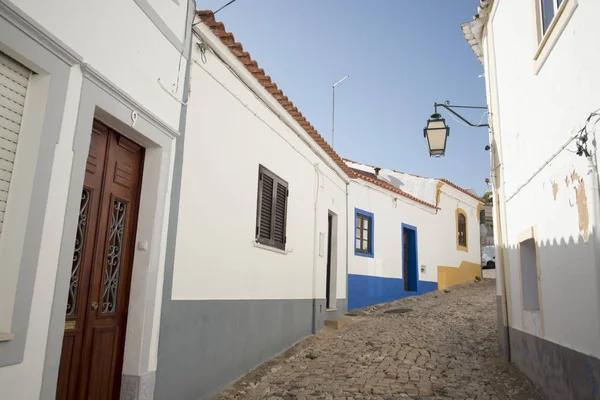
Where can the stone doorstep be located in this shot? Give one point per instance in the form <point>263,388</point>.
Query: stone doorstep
<point>338,323</point>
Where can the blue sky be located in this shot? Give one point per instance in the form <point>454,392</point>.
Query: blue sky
<point>402,56</point>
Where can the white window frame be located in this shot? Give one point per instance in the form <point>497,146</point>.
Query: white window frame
<point>531,233</point>
<point>545,41</point>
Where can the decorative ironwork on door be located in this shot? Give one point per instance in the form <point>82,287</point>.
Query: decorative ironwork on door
<point>78,252</point>
<point>113,259</point>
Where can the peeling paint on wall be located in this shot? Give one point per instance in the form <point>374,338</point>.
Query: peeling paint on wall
<point>581,201</point>
<point>554,189</point>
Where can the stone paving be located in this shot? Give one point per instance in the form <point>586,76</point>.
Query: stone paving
<point>444,348</point>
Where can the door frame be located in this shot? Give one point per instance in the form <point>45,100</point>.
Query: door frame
<point>332,262</point>
<point>413,267</point>
<point>102,100</point>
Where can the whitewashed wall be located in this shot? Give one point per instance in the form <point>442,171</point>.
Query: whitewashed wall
<point>535,114</point>
<point>230,133</point>
<point>117,39</point>
<point>436,235</point>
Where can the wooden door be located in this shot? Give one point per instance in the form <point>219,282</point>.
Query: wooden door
<point>405,259</point>
<point>98,297</point>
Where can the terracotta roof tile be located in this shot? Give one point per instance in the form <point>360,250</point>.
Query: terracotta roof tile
<point>465,191</point>
<point>218,29</point>
<point>391,188</point>
<point>424,177</point>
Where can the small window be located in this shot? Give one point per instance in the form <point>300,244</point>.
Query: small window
<point>363,233</point>
<point>461,230</point>
<point>549,9</point>
<point>271,209</point>
<point>529,275</point>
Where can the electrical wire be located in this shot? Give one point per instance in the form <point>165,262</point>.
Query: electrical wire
<point>214,13</point>
<point>262,120</point>
<point>469,126</point>
<point>582,150</point>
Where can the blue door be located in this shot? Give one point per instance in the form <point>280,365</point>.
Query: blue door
<point>410,273</point>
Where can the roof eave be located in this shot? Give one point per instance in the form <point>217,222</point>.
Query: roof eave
<point>473,30</point>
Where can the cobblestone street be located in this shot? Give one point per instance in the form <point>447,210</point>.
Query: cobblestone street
<point>444,348</point>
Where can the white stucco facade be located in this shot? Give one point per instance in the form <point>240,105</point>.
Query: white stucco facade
<point>555,194</point>
<point>122,63</point>
<point>379,277</point>
<point>233,132</point>
<point>542,87</point>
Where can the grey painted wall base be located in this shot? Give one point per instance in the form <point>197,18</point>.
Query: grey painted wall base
<point>206,345</point>
<point>135,387</point>
<point>321,314</point>
<point>559,372</point>
<point>503,347</point>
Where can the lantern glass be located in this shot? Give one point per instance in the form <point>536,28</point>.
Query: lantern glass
<point>436,133</point>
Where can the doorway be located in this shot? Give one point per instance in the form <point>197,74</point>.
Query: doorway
<point>98,295</point>
<point>330,286</point>
<point>410,273</point>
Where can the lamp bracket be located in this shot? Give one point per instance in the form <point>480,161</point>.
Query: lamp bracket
<point>450,107</point>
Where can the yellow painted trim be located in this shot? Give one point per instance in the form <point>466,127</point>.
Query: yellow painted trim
<point>458,246</point>
<point>438,193</point>
<point>450,276</point>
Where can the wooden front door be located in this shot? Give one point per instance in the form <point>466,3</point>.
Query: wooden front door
<point>98,297</point>
<point>405,259</point>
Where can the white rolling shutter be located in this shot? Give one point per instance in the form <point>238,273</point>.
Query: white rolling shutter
<point>14,79</point>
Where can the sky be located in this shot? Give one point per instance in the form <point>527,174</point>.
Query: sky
<point>402,56</point>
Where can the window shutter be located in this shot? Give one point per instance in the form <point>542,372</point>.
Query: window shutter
<point>279,214</point>
<point>14,79</point>
<point>265,209</point>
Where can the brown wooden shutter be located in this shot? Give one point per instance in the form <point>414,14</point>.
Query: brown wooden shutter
<point>265,208</point>
<point>272,209</point>
<point>279,214</point>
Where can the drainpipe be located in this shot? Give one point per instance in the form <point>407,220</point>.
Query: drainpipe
<point>596,217</point>
<point>316,249</point>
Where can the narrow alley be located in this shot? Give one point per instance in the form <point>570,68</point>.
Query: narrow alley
<point>444,347</point>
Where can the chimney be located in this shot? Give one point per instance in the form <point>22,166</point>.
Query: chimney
<point>377,169</point>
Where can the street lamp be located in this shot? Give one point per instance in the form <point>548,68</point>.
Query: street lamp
<point>437,131</point>
<point>333,109</point>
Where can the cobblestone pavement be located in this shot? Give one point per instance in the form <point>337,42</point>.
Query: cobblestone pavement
<point>445,348</point>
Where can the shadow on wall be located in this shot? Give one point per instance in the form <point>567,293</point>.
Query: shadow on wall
<point>396,182</point>
<point>557,370</point>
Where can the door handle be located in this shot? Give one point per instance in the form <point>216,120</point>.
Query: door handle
<point>94,305</point>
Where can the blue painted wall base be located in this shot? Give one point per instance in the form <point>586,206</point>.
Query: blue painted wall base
<point>364,290</point>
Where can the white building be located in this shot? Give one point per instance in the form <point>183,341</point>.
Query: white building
<point>541,68</point>
<point>260,257</point>
<point>418,235</point>
<point>264,215</point>
<point>90,106</point>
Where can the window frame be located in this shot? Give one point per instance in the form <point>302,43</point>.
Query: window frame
<point>370,229</point>
<point>270,242</point>
<point>459,245</point>
<point>555,8</point>
<point>546,38</point>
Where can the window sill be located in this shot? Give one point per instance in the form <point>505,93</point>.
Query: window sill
<point>273,249</point>
<point>367,255</point>
<point>330,309</point>
<point>5,337</point>
<point>556,28</point>
<point>462,248</point>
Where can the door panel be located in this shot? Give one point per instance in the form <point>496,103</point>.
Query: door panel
<point>101,273</point>
<point>405,275</point>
